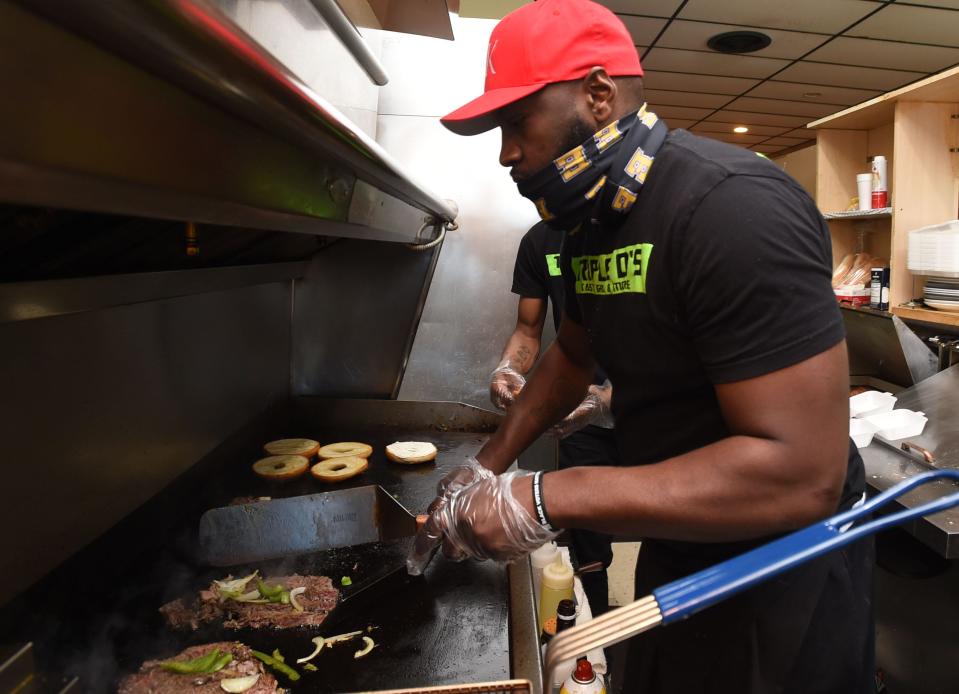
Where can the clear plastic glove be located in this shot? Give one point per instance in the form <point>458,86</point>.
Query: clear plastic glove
<point>482,520</point>
<point>595,410</point>
<point>430,536</point>
<point>505,384</point>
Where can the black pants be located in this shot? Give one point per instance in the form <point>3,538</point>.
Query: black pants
<point>808,631</point>
<point>591,446</point>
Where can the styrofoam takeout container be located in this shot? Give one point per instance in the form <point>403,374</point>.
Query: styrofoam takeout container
<point>898,424</point>
<point>861,432</point>
<point>871,402</point>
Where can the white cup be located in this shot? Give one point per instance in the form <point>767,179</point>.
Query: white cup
<point>864,184</point>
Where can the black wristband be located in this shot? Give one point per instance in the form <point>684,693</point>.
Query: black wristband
<point>539,503</point>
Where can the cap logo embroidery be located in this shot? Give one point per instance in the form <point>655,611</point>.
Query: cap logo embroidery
<point>489,57</point>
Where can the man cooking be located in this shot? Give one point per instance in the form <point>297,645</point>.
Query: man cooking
<point>697,276</point>
<point>586,434</point>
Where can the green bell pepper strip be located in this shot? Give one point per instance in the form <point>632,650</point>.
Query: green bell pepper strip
<point>213,661</point>
<point>277,665</point>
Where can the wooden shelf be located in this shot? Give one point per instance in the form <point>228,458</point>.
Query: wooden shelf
<point>943,87</point>
<point>882,213</point>
<point>927,315</point>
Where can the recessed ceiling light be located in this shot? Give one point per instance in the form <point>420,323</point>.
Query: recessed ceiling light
<point>740,129</point>
<point>811,95</point>
<point>739,42</point>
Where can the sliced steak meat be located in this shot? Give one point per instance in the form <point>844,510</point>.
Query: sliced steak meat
<point>154,679</point>
<point>319,598</point>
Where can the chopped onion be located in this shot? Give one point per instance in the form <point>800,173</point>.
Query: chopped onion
<point>293,593</point>
<point>366,649</point>
<point>319,641</point>
<point>342,637</point>
<point>234,685</point>
<point>253,596</point>
<point>235,585</point>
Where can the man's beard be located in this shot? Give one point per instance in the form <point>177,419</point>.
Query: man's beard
<point>579,132</point>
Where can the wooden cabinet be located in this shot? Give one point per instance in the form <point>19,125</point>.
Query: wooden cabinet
<point>917,129</point>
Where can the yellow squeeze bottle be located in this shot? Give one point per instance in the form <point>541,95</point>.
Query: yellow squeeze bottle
<point>557,585</point>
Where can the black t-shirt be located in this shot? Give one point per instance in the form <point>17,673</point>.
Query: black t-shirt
<point>537,275</point>
<point>720,273</point>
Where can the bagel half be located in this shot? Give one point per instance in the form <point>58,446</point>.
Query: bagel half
<point>305,447</point>
<point>281,467</point>
<point>411,452</point>
<point>345,449</point>
<point>339,469</point>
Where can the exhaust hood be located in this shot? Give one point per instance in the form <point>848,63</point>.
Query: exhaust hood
<point>168,109</point>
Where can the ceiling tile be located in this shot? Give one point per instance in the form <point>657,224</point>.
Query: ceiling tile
<point>909,23</point>
<point>847,76</point>
<point>711,63</point>
<point>764,130</point>
<point>680,123</point>
<point>874,53</point>
<point>650,8</point>
<point>686,112</point>
<point>797,108</point>
<point>644,30</point>
<point>736,139</point>
<point>786,141</point>
<point>743,118</point>
<point>773,89</point>
<point>823,16</point>
<point>711,84</point>
<point>951,4</point>
<point>694,35</point>
<point>801,133</point>
<point>673,98</point>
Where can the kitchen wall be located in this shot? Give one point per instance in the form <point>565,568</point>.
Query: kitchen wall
<point>801,165</point>
<point>470,311</point>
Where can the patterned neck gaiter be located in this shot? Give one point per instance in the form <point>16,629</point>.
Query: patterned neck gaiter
<point>602,176</point>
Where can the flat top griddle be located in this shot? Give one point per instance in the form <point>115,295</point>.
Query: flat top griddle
<point>450,626</point>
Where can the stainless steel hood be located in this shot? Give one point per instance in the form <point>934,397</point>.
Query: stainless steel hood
<point>166,108</point>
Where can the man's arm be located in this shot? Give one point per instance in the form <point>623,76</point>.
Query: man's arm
<point>557,386</point>
<point>782,466</point>
<point>522,347</point>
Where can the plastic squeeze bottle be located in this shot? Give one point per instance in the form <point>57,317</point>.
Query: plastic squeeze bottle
<point>538,560</point>
<point>557,585</point>
<point>583,680</point>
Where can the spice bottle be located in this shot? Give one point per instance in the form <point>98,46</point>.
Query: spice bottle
<point>565,618</point>
<point>583,680</point>
<point>557,585</point>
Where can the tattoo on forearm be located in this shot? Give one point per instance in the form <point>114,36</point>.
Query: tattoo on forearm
<point>524,358</point>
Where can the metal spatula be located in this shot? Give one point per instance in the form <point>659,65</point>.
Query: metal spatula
<point>248,533</point>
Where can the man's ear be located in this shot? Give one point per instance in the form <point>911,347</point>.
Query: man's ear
<point>601,93</point>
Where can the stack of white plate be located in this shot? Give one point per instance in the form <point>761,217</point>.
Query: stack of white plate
<point>942,293</point>
<point>934,250</point>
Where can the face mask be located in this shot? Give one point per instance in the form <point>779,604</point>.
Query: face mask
<point>602,177</point>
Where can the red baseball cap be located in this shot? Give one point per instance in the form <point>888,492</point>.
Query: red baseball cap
<point>541,43</point>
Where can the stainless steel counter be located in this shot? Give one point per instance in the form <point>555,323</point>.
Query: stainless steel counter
<point>938,398</point>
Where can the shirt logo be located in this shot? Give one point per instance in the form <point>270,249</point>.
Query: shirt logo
<point>621,272</point>
<point>552,265</point>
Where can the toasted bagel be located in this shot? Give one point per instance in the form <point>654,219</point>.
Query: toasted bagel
<point>345,449</point>
<point>411,452</point>
<point>305,447</point>
<point>281,467</point>
<point>339,469</point>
